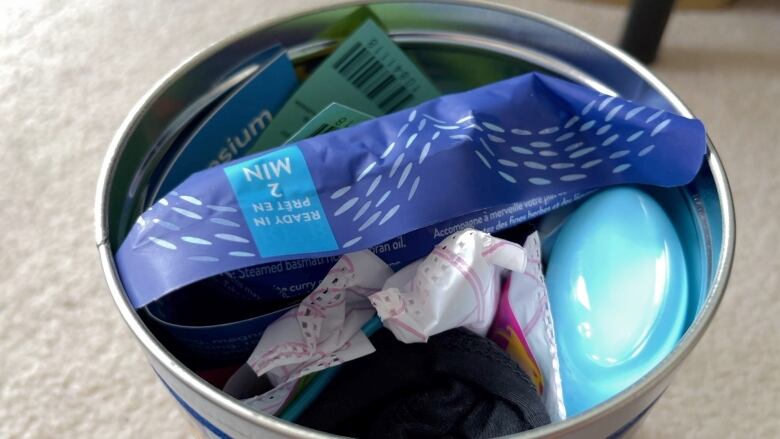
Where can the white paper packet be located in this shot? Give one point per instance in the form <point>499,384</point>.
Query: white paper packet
<point>457,285</point>
<point>324,330</point>
<point>523,327</point>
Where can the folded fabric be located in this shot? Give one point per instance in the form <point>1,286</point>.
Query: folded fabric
<point>457,285</point>
<point>457,385</point>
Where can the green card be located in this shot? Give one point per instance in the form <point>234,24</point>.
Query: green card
<point>368,73</point>
<point>345,26</point>
<point>334,117</point>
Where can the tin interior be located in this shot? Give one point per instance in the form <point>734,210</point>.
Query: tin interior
<point>431,33</point>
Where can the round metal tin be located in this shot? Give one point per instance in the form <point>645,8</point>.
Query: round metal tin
<point>146,135</point>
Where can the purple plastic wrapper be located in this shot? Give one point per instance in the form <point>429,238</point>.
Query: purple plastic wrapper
<point>522,144</point>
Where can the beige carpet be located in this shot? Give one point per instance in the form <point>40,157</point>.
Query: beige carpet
<point>69,72</point>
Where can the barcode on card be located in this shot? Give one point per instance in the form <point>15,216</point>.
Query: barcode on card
<point>389,90</point>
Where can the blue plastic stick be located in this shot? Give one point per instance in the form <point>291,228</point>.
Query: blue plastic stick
<point>319,382</point>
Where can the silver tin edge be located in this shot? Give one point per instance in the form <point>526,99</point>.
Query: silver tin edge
<point>569,426</point>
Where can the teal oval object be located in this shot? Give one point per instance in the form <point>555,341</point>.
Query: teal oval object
<point>618,294</point>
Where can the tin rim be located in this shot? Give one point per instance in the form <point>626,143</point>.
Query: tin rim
<point>234,407</point>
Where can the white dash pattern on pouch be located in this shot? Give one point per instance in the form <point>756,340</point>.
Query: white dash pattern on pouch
<point>484,160</point>
<point>166,224</point>
<point>496,139</point>
<point>362,209</point>
<point>487,147</point>
<point>572,120</point>
<point>564,137</point>
<point>187,213</point>
<point>587,125</point>
<point>195,240</point>
<point>658,128</point>
<point>382,198</point>
<point>588,107</point>
<point>424,153</point>
<point>163,201</point>
<point>534,165</point>
<point>370,220</point>
<point>389,214</point>
<point>336,195</point>
<point>401,131</point>
<point>461,137</point>
<point>240,254</point>
<point>621,153</point>
<point>521,150</point>
<point>591,163</point>
<point>413,190</point>
<point>646,150</point>
<point>447,127</point>
<point>492,127</point>
<point>428,116</point>
<point>374,184</point>
<point>404,175</point>
<point>507,177</point>
<point>606,102</point>
<point>230,237</point>
<point>388,150</point>
<point>610,140</point>
<point>411,139</point>
<point>573,177</point>
<point>203,258</point>
<point>366,171</point>
<point>224,222</point>
<point>191,200</point>
<point>351,242</point>
<point>163,243</point>
<point>635,136</point>
<point>634,112</point>
<point>346,206</point>
<point>613,112</point>
<point>396,164</point>
<point>654,116</point>
<point>492,137</point>
<point>581,152</point>
<point>539,181</point>
<point>226,209</point>
<point>620,168</point>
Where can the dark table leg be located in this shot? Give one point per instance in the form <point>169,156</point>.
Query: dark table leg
<point>645,27</point>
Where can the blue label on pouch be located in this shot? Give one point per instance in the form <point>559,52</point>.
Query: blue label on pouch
<point>280,204</point>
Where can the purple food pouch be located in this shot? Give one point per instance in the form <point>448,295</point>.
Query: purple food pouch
<point>524,144</point>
